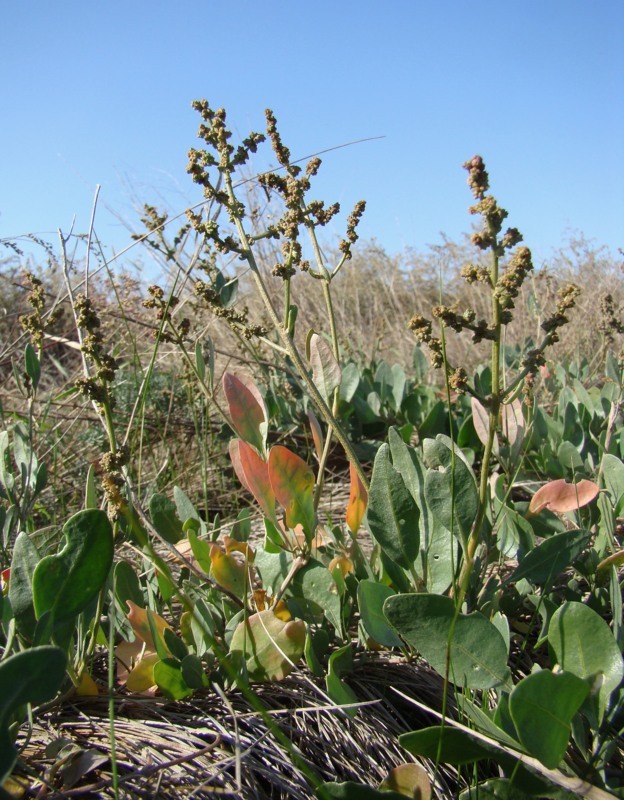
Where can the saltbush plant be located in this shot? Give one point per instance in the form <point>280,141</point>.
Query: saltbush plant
<point>485,541</point>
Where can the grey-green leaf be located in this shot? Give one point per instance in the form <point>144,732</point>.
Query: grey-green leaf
<point>429,622</point>
<point>392,515</point>
<point>371,597</point>
<point>548,559</point>
<point>542,707</point>
<point>584,645</point>
<point>450,486</point>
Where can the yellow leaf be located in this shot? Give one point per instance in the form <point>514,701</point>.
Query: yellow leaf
<point>227,572</point>
<point>87,687</point>
<point>343,563</point>
<point>141,677</point>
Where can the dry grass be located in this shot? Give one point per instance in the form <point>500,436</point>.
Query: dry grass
<point>209,745</point>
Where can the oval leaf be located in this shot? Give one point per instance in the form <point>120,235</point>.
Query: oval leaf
<point>270,646</point>
<point>392,513</point>
<point>247,410</point>
<point>409,780</point>
<point>542,707</point>
<point>450,486</point>
<point>253,473</point>
<point>584,645</point>
<point>542,564</point>
<point>358,500</point>
<point>326,370</point>
<point>32,676</point>
<point>137,617</point>
<point>428,622</point>
<point>560,496</point>
<point>292,481</point>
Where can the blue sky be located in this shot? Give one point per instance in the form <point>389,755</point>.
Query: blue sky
<point>100,93</point>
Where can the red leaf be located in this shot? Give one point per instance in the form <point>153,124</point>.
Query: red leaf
<point>253,473</point>
<point>358,500</point>
<point>560,496</point>
<point>292,481</point>
<point>247,410</point>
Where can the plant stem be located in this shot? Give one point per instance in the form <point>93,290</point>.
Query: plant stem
<point>474,538</point>
<point>288,342</point>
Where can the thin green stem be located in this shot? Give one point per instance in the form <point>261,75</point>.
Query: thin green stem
<point>474,538</point>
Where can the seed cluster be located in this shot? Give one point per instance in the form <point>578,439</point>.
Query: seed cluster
<point>504,279</point>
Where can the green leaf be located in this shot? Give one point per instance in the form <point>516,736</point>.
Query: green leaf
<point>551,557</point>
<point>613,478</point>
<point>326,371</point>
<point>90,490</point>
<point>371,597</point>
<point>165,519</point>
<point>269,646</point>
<point>25,559</point>
<point>584,646</point>
<point>446,744</point>
<point>32,365</point>
<point>392,515</point>
<point>292,481</point>
<point>428,622</point>
<point>313,587</point>
<point>174,645</point>
<point>349,382</point>
<point>186,510</point>
<point>169,679</point>
<point>542,707</point>
<point>496,789</point>
<point>247,410</point>
<point>67,582</point>
<point>354,791</point>
<point>450,486</point>
<point>340,664</point>
<point>193,672</point>
<point>200,363</point>
<point>31,676</point>
<point>127,586</point>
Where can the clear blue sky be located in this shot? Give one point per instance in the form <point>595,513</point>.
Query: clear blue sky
<point>99,93</point>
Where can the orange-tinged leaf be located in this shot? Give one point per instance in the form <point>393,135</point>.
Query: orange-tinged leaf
<point>253,473</point>
<point>260,599</point>
<point>358,500</point>
<point>343,563</point>
<point>234,546</point>
<point>87,687</point>
<point>561,496</point>
<point>137,617</point>
<point>318,540</point>
<point>228,572</point>
<point>281,611</point>
<point>317,433</point>
<point>292,481</point>
<point>247,410</point>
